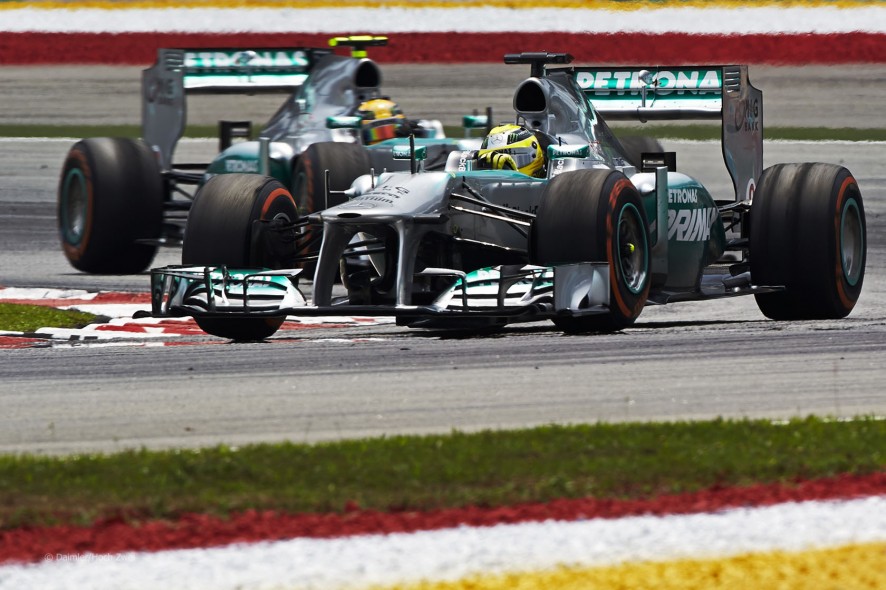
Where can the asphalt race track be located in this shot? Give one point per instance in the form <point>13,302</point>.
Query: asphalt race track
<point>684,361</point>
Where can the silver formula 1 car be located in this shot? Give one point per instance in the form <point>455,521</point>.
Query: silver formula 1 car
<point>119,199</point>
<point>587,245</point>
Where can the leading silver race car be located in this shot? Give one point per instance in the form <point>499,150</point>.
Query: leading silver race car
<point>587,244</point>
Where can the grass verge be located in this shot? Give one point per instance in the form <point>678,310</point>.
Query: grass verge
<point>489,468</point>
<point>692,132</point>
<point>81,131</point>
<point>16,317</point>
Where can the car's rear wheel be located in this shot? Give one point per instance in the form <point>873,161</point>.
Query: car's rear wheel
<point>222,230</point>
<point>345,162</point>
<point>596,216</point>
<point>808,234</point>
<point>110,195</point>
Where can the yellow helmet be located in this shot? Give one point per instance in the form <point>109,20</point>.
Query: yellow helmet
<point>515,147</point>
<point>381,119</point>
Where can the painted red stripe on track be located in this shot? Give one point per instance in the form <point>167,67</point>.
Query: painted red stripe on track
<point>200,530</point>
<point>166,327</point>
<point>188,327</point>
<point>122,328</point>
<point>15,342</point>
<point>673,48</point>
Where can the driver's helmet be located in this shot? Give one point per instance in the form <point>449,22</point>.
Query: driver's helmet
<point>381,119</point>
<point>512,147</point>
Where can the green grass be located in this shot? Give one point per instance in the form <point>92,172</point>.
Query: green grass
<point>696,132</point>
<point>81,131</point>
<point>410,472</point>
<point>27,318</point>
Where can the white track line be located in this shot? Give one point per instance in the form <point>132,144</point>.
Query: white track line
<point>717,20</point>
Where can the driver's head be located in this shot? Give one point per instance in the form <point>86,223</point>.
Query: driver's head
<point>512,147</point>
<point>381,119</point>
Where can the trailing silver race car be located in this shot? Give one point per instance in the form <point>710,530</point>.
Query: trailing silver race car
<point>119,199</point>
<point>582,238</point>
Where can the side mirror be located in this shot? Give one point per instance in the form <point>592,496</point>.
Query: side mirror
<point>415,155</point>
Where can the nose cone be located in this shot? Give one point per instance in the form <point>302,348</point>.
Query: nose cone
<point>400,195</point>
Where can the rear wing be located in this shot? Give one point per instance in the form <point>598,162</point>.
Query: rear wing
<point>687,93</point>
<point>653,94</point>
<point>178,72</point>
<point>245,70</point>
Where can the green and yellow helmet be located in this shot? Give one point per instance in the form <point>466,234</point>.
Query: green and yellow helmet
<point>512,147</point>
<point>381,119</point>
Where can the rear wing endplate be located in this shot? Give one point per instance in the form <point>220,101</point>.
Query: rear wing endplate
<point>178,72</point>
<point>687,93</point>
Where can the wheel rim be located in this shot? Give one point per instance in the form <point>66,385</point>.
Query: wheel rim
<point>73,207</point>
<point>281,217</point>
<point>632,249</point>
<point>851,242</point>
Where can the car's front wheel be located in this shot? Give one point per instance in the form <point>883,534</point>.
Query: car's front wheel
<point>223,229</point>
<point>596,216</point>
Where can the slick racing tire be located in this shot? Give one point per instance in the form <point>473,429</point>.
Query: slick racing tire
<point>596,216</point>
<point>220,226</point>
<point>110,195</point>
<point>221,230</point>
<point>635,145</point>
<point>808,233</point>
<point>345,162</point>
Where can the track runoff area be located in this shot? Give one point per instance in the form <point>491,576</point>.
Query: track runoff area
<point>809,540</point>
<point>455,31</point>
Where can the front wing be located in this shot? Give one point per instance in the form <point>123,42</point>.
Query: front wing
<point>489,296</point>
